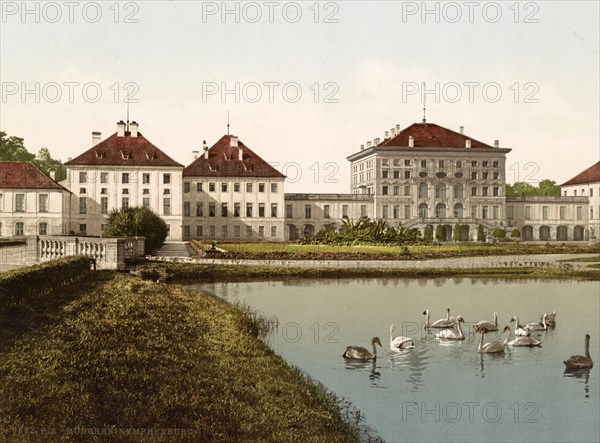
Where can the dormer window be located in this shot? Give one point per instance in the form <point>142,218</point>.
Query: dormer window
<point>211,167</point>
<point>100,154</point>
<point>152,156</point>
<point>125,155</point>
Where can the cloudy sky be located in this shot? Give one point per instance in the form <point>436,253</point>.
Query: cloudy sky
<point>306,83</point>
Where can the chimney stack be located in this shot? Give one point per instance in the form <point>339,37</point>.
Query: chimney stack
<point>53,175</point>
<point>121,129</point>
<point>233,141</point>
<point>398,128</point>
<point>240,154</point>
<point>362,147</point>
<point>496,143</point>
<point>96,137</point>
<point>376,141</point>
<point>205,149</point>
<point>393,132</point>
<point>133,127</point>
<point>387,135</point>
<point>467,143</point>
<point>195,154</point>
<point>368,144</point>
<point>462,129</point>
<point>411,141</point>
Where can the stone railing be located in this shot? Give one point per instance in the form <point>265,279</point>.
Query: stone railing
<point>108,253</point>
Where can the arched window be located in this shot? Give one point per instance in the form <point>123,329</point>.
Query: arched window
<point>423,210</point>
<point>458,190</point>
<point>423,190</point>
<point>440,210</point>
<point>458,210</point>
<point>440,190</point>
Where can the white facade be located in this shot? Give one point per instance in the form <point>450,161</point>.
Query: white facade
<point>592,192</point>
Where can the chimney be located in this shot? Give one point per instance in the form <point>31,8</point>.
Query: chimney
<point>233,141</point>
<point>376,141</point>
<point>496,143</point>
<point>96,137</point>
<point>462,130</point>
<point>362,147</point>
<point>53,175</point>
<point>398,128</point>
<point>467,143</point>
<point>121,129</point>
<point>195,154</point>
<point>133,127</point>
<point>387,135</point>
<point>240,153</point>
<point>368,144</point>
<point>393,132</point>
<point>411,141</point>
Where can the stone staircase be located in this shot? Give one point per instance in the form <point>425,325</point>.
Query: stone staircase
<point>174,249</point>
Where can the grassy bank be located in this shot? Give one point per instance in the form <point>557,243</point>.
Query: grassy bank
<point>184,272</point>
<point>132,359</point>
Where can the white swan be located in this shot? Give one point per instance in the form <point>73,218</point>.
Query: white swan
<point>360,353</point>
<point>400,342</point>
<point>487,326</point>
<point>580,361</point>
<point>491,347</point>
<point>521,341</point>
<point>550,318</point>
<point>451,334</point>
<point>444,323</point>
<point>537,326</point>
<point>519,331</point>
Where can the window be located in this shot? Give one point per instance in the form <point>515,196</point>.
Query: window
<point>423,210</point>
<point>273,231</point>
<point>326,213</point>
<point>125,177</point>
<point>212,211</point>
<point>236,231</point>
<point>495,212</point>
<point>396,174</point>
<point>484,163</point>
<point>212,231</point>
<point>385,162</point>
<point>186,186</point>
<point>384,212</point>
<point>223,187</point>
<point>384,190</point>
<point>363,210</point>
<point>307,211</point>
<point>273,187</point>
<point>104,177</point>
<point>166,179</point>
<point>104,204</point>
<point>510,212</point>
<point>344,210</point>
<point>484,213</point>
<point>261,187</point>
<point>105,191</point>
<point>423,190</point>
<point>579,212</point>
<point>544,212</point>
<point>248,231</point>
<point>396,211</point>
<point>199,209</point>
<point>261,209</point>
<point>43,203</point>
<point>474,211</point>
<point>125,191</point>
<point>82,177</point>
<point>440,191</point>
<point>236,209</point>
<point>407,211</point>
<point>186,209</point>
<point>145,178</point>
<point>473,163</point>
<point>562,212</point>
<point>82,205</point>
<point>199,232</point>
<point>43,228</point>
<point>248,209</point>
<point>211,187</point>
<point>495,191</point>
<point>473,175</point>
<point>261,231</point>
<point>125,203</point>
<point>166,206</point>
<point>591,212</point>
<point>407,162</point>
<point>199,187</point>
<point>273,209</point>
<point>223,209</point>
<point>385,174</point>
<point>484,175</point>
<point>575,192</point>
<point>166,191</point>
<point>406,174</point>
<point>484,191</point>
<point>496,175</point>
<point>396,190</point>
<point>146,202</point>
<point>248,187</point>
<point>458,164</point>
<point>83,228</point>
<point>82,191</point>
<point>495,163</point>
<point>591,192</point>
<point>423,164</point>
<point>527,212</point>
<point>473,191</point>
<point>224,232</point>
<point>458,190</point>
<point>440,164</point>
<point>289,211</point>
<point>236,187</point>
<point>396,162</point>
<point>186,231</point>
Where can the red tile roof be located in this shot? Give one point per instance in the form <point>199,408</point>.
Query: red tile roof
<point>590,175</point>
<point>124,151</point>
<point>25,175</point>
<point>430,135</point>
<point>223,161</point>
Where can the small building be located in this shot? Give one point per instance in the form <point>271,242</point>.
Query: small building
<point>124,170</point>
<point>31,203</point>
<point>231,193</point>
<point>587,184</point>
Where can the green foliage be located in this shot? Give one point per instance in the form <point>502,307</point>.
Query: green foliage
<point>439,232</point>
<point>515,233</point>
<point>456,232</point>
<point>480,236</point>
<point>47,164</point>
<point>427,234</point>
<point>138,222</point>
<point>545,188</point>
<point>13,149</point>
<point>499,233</point>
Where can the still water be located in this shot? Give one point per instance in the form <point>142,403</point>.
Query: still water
<point>441,391</point>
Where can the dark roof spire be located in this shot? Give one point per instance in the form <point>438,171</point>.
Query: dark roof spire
<point>424,108</point>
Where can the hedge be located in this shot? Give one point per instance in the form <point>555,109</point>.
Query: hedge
<point>42,279</point>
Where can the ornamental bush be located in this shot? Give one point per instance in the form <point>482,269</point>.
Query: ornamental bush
<point>480,236</point>
<point>137,222</point>
<point>499,233</point>
<point>515,233</point>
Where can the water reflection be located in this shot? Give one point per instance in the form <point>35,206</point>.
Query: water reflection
<point>414,361</point>
<point>364,366</point>
<point>581,376</point>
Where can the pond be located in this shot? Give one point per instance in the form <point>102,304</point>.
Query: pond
<point>441,391</point>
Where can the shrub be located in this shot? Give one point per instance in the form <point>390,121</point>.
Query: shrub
<point>480,236</point>
<point>515,233</point>
<point>456,232</point>
<point>439,232</point>
<point>499,233</point>
<point>427,234</point>
<point>137,221</point>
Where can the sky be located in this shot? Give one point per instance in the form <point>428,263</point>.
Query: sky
<point>304,84</point>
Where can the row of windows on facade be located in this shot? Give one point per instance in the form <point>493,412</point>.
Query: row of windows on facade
<point>441,164</point>
<point>562,212</point>
<point>225,231</point>
<point>357,178</point>
<point>441,211</point>
<point>441,191</point>
<point>126,177</point>
<point>20,203</point>
<point>20,228</point>
<point>582,192</point>
<point>212,187</point>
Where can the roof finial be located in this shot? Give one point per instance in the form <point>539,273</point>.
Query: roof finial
<point>424,107</point>
<point>127,114</point>
<point>228,122</point>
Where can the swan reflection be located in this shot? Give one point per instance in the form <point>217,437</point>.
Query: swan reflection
<point>364,366</point>
<point>580,376</point>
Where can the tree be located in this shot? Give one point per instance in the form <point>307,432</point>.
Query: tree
<point>499,233</point>
<point>515,233</point>
<point>140,222</point>
<point>480,236</point>
<point>549,187</point>
<point>545,188</point>
<point>13,149</point>
<point>456,232</point>
<point>439,232</point>
<point>44,161</point>
<point>427,234</point>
